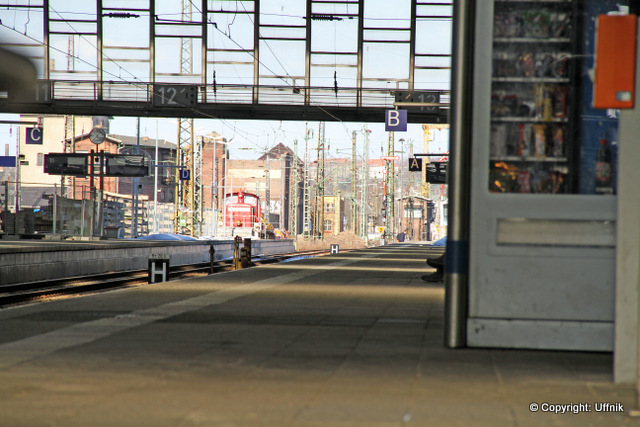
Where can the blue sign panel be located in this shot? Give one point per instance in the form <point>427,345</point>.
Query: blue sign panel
<point>185,174</point>
<point>8,161</point>
<point>395,120</point>
<point>34,136</point>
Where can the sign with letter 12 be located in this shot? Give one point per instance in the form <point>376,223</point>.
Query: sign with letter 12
<point>395,120</point>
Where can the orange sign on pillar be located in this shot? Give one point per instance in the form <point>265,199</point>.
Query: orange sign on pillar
<point>615,61</point>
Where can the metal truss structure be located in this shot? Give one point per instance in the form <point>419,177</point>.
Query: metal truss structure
<point>189,152</point>
<point>252,59</point>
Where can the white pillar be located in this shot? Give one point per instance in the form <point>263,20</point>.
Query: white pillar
<point>627,320</point>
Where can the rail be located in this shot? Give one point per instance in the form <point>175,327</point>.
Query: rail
<point>74,286</point>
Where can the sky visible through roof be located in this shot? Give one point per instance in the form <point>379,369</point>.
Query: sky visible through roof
<point>280,59</point>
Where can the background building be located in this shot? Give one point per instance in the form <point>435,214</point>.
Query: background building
<point>271,178</point>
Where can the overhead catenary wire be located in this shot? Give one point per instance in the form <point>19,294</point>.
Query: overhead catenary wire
<point>113,75</point>
<point>228,36</point>
<point>34,8</point>
<point>277,59</point>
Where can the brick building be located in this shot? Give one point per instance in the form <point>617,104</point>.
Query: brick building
<point>334,215</point>
<point>214,146</point>
<point>251,175</point>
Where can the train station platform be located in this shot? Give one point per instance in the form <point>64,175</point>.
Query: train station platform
<point>349,339</point>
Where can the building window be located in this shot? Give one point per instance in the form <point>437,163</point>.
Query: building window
<point>329,207</point>
<point>328,225</point>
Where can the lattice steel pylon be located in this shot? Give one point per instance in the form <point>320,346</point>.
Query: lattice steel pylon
<point>318,223</point>
<point>390,188</point>
<point>354,184</point>
<point>364,217</point>
<point>296,186</point>
<point>306,209</point>
<point>189,195</point>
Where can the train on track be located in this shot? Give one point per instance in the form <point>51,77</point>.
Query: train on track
<point>242,213</point>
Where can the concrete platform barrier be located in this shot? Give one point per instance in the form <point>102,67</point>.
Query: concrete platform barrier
<point>31,261</point>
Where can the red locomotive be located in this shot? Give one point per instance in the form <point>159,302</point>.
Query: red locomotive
<point>242,211</point>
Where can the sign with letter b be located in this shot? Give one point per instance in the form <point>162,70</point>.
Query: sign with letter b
<point>395,120</point>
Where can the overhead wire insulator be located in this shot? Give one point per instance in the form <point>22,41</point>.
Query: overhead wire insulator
<point>121,15</point>
<point>324,17</point>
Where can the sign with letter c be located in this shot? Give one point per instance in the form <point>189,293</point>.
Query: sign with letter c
<point>34,136</point>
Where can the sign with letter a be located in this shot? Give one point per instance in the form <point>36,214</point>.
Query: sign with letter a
<point>395,120</point>
<point>415,164</point>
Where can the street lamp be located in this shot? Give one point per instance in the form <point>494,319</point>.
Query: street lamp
<point>354,178</point>
<point>364,218</point>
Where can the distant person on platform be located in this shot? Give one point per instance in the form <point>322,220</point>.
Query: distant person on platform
<point>401,236</point>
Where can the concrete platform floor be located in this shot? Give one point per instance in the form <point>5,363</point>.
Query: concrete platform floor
<point>354,339</point>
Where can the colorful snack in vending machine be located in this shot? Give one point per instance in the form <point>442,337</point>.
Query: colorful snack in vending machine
<point>526,64</point>
<point>501,178</point>
<point>557,182</point>
<point>540,140</point>
<point>541,181</point>
<point>543,101</point>
<point>508,24</point>
<point>498,146</point>
<point>561,24</point>
<point>524,139</point>
<point>560,101</point>
<point>537,23</point>
<point>543,64</point>
<point>557,140</point>
<point>504,65</point>
<point>512,140</point>
<point>499,24</point>
<point>523,178</point>
<point>560,66</point>
<point>503,104</point>
<point>547,104</point>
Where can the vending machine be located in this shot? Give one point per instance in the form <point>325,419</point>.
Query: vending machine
<point>542,222</point>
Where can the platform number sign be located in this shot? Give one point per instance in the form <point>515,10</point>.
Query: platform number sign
<point>420,97</point>
<point>185,174</point>
<point>395,120</point>
<point>33,136</point>
<point>175,95</point>
<point>415,164</point>
<point>40,92</point>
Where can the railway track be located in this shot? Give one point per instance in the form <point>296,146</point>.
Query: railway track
<point>23,293</point>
